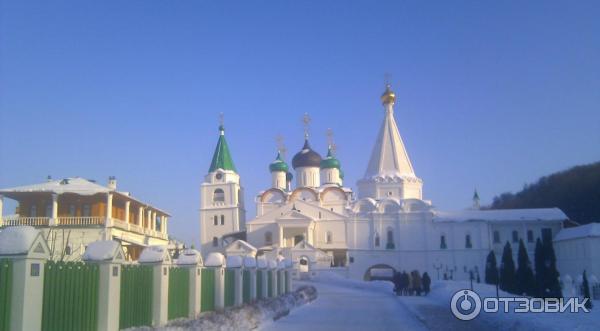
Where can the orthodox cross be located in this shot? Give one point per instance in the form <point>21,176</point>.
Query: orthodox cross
<point>281,146</point>
<point>330,141</point>
<point>387,77</point>
<point>306,120</point>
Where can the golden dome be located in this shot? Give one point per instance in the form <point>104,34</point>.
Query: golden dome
<point>388,96</point>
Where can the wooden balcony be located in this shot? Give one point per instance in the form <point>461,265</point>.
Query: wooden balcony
<point>84,221</point>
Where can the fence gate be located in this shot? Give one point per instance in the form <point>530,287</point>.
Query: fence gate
<point>260,294</point>
<point>246,286</point>
<point>5,293</point>
<point>207,301</point>
<point>270,293</point>
<point>179,292</point>
<point>229,287</point>
<point>70,296</point>
<point>136,296</point>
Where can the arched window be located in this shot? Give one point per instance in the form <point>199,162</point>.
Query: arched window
<point>268,238</point>
<point>68,250</point>
<point>390,239</point>
<point>377,240</point>
<point>218,195</point>
<point>496,237</point>
<point>468,243</point>
<point>329,237</point>
<point>529,236</point>
<point>33,211</point>
<point>215,242</point>
<point>222,219</point>
<point>216,220</point>
<point>515,236</point>
<point>443,242</point>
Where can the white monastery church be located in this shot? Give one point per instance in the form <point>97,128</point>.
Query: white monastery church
<point>321,224</point>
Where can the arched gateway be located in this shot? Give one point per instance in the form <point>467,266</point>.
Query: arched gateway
<point>379,272</point>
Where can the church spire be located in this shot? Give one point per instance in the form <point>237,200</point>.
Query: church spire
<point>222,156</point>
<point>389,157</point>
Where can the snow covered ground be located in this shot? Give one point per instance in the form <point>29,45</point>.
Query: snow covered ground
<point>355,305</point>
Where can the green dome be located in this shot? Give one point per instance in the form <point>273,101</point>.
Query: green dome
<point>330,161</point>
<point>278,165</point>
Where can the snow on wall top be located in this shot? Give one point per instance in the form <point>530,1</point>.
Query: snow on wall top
<point>189,256</point>
<point>500,215</point>
<point>17,239</point>
<point>153,254</point>
<point>272,264</point>
<point>582,231</point>
<point>249,262</point>
<point>215,259</point>
<point>261,262</point>
<point>234,261</point>
<point>100,250</point>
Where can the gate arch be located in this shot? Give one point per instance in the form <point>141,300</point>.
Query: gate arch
<point>382,272</point>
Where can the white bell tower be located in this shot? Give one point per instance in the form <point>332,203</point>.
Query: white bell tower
<point>222,208</point>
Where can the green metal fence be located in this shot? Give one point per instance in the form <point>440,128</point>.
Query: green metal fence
<point>287,282</point>
<point>5,293</point>
<point>260,291</point>
<point>270,293</point>
<point>136,296</point>
<point>246,279</point>
<point>229,287</point>
<point>70,296</point>
<point>179,293</point>
<point>280,283</point>
<point>207,300</point>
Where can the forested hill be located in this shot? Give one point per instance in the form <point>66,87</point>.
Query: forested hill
<point>576,191</point>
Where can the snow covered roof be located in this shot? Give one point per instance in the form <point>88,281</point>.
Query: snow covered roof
<point>500,215</point>
<point>215,259</point>
<point>189,256</point>
<point>241,244</point>
<point>103,250</point>
<point>152,254</point>
<point>582,231</point>
<point>74,185</point>
<point>16,240</point>
<point>234,261</point>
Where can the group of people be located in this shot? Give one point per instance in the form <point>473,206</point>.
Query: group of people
<point>411,284</point>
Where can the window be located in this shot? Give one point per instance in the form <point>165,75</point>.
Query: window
<point>496,237</point>
<point>87,212</point>
<point>376,240</point>
<point>468,243</point>
<point>33,211</point>
<point>390,239</point>
<point>68,250</point>
<point>222,219</point>
<point>515,236</point>
<point>49,210</point>
<point>72,210</point>
<point>268,238</point>
<point>216,220</point>
<point>218,195</point>
<point>215,242</point>
<point>329,237</point>
<point>529,236</point>
<point>443,242</point>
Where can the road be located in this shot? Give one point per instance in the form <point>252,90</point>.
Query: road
<point>343,307</point>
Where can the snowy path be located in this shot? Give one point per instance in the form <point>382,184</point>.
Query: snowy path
<point>344,307</point>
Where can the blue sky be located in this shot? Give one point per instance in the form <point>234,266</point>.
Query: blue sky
<point>489,94</point>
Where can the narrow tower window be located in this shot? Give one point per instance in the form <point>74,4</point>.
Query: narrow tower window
<point>468,243</point>
<point>216,220</point>
<point>222,219</point>
<point>219,195</point>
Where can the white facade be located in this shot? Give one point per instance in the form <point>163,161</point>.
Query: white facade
<point>320,224</point>
<point>578,249</point>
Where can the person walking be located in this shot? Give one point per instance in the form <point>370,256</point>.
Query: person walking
<point>397,280</point>
<point>416,282</point>
<point>426,283</point>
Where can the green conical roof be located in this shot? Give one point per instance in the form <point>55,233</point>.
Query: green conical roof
<point>222,157</point>
<point>278,164</point>
<point>330,161</point>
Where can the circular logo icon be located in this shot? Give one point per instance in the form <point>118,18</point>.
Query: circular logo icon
<point>465,305</point>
